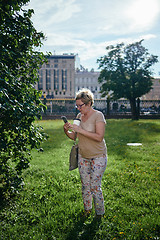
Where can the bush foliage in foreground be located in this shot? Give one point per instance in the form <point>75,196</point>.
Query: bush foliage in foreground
<point>19,101</point>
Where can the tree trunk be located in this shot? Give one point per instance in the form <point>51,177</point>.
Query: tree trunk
<point>134,109</point>
<point>108,106</point>
<point>138,108</point>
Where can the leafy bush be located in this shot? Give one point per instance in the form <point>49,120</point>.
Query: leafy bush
<point>19,101</point>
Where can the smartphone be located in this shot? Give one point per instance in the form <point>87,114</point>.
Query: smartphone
<point>64,119</point>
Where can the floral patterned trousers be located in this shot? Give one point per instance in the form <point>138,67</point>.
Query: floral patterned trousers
<point>91,172</point>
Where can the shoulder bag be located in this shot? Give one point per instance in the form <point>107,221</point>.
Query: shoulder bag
<point>73,158</point>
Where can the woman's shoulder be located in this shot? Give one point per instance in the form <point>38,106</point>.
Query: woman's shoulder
<point>97,112</point>
<point>99,116</point>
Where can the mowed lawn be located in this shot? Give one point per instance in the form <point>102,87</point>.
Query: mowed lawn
<point>50,205</point>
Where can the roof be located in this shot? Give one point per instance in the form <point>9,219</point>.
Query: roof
<point>61,56</point>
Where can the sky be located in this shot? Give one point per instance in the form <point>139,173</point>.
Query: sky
<point>87,27</point>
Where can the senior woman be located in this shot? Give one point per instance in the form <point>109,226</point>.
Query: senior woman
<point>92,160</point>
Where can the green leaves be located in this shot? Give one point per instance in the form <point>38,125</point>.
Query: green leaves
<point>125,71</point>
<point>19,101</point>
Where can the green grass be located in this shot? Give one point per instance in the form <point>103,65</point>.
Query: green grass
<point>49,206</point>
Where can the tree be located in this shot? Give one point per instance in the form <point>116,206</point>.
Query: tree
<point>125,71</point>
<point>20,103</point>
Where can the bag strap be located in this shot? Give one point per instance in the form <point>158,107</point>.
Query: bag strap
<point>75,138</point>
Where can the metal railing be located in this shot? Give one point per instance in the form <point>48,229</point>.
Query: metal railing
<point>56,107</point>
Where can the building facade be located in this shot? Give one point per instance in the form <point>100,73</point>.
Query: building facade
<point>57,76</point>
<point>154,93</point>
<point>86,79</point>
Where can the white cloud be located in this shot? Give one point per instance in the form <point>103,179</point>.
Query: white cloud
<point>87,50</point>
<point>94,18</point>
<point>49,13</point>
<point>148,36</point>
<point>87,27</point>
<point>142,14</point>
<point>131,17</point>
<point>65,10</point>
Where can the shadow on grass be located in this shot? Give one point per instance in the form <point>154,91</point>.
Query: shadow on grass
<point>84,229</point>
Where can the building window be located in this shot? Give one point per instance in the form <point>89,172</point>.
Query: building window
<point>40,82</point>
<point>64,79</point>
<point>56,80</point>
<point>55,65</point>
<point>48,79</point>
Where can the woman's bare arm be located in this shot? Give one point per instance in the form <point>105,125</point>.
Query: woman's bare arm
<point>69,134</point>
